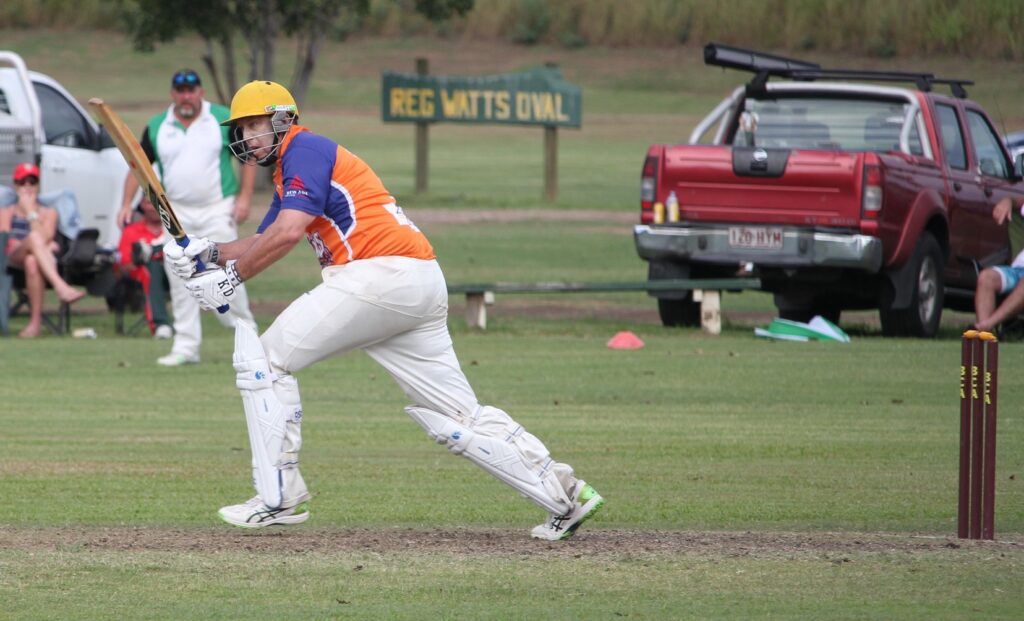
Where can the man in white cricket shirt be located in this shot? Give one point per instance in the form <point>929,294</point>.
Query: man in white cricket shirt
<point>188,148</point>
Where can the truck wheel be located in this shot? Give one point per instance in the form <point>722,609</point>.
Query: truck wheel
<point>684,312</point>
<point>921,318</point>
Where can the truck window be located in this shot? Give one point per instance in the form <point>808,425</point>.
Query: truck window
<point>991,160</point>
<point>834,123</point>
<point>63,124</point>
<point>952,137</point>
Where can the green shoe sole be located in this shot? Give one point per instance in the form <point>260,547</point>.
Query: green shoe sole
<point>569,532</point>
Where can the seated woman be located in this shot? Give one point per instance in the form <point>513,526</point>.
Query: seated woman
<point>999,280</point>
<point>31,245</point>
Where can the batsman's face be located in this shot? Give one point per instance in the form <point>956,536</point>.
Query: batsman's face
<point>258,135</point>
<point>188,101</point>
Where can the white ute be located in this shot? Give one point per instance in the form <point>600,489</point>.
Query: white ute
<point>41,122</point>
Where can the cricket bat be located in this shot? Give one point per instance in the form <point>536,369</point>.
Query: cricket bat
<point>143,172</point>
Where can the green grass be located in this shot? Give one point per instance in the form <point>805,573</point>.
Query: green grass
<point>713,436</point>
<point>401,586</point>
<point>739,433</point>
<point>726,434</point>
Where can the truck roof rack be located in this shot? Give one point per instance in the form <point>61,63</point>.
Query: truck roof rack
<point>769,65</point>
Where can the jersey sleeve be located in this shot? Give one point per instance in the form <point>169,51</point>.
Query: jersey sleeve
<point>306,180</point>
<point>147,145</point>
<point>275,207</point>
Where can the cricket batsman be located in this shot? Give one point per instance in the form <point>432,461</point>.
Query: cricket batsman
<point>383,292</point>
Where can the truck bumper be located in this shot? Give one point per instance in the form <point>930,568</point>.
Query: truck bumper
<point>801,247</point>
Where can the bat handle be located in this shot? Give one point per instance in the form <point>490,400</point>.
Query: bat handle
<point>201,267</point>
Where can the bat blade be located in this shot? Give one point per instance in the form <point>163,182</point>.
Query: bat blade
<point>143,172</point>
<point>140,167</point>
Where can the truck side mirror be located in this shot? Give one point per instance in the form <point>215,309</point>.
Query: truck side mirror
<point>1018,166</point>
<point>103,140</point>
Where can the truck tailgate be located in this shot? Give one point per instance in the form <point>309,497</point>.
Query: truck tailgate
<point>774,186</point>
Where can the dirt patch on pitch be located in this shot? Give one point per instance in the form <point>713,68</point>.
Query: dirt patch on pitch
<point>473,542</point>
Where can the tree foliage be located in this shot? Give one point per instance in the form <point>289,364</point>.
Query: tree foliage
<point>258,23</point>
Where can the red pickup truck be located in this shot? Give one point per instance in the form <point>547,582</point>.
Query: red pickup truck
<point>835,191</point>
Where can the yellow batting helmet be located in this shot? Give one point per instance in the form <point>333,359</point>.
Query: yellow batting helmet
<point>261,97</point>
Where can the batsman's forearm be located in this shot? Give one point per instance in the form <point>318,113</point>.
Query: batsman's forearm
<point>266,250</point>
<point>276,241</point>
<point>233,250</point>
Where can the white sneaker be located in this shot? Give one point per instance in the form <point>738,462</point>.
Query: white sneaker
<point>175,360</point>
<point>163,332</point>
<point>254,514</point>
<point>586,501</point>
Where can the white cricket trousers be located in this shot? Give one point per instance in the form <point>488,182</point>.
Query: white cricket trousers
<point>396,310</point>
<point>393,308</point>
<point>216,222</point>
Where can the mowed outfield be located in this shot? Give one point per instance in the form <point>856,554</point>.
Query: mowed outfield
<point>744,478</point>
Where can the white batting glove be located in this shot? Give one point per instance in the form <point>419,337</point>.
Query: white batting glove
<point>214,289</point>
<point>183,260</point>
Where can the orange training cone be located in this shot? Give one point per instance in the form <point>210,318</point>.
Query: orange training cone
<point>625,340</point>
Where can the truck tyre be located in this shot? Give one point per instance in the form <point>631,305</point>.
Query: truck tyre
<point>682,312</point>
<point>921,318</point>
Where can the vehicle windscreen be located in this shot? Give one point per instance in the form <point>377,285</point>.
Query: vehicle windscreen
<point>828,123</point>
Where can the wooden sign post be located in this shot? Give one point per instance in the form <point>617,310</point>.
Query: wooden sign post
<point>422,138</point>
<point>550,163</point>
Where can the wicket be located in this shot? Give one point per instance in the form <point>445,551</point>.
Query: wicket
<point>979,375</point>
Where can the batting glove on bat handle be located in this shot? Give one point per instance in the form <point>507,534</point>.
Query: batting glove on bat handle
<point>200,268</point>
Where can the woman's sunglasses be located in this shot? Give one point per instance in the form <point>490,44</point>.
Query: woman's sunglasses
<point>27,181</point>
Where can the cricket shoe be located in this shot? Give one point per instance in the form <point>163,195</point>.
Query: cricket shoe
<point>585,503</point>
<point>176,360</point>
<point>254,514</point>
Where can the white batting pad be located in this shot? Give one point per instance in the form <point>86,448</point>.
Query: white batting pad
<point>499,445</point>
<point>265,415</point>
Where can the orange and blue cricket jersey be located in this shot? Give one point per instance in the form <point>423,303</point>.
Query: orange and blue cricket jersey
<point>355,216</point>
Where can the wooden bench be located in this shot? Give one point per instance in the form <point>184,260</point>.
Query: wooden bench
<point>707,291</point>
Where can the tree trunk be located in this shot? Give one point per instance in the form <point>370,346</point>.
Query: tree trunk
<point>305,63</point>
<point>254,55</point>
<point>261,38</point>
<point>228,52</point>
<point>211,68</point>
<point>261,41</point>
<point>308,48</point>
<point>270,26</point>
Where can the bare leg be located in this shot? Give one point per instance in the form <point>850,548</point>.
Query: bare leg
<point>989,284</point>
<point>36,286</point>
<point>35,245</point>
<point>1012,305</point>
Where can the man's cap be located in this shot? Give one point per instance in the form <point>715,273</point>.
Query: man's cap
<point>25,169</point>
<point>185,78</point>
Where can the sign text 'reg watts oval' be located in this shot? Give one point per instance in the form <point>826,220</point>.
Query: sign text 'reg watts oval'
<point>537,97</point>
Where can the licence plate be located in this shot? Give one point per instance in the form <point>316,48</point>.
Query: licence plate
<point>759,237</point>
